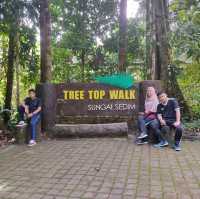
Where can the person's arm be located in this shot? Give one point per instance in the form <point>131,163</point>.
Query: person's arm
<point>178,114</point>
<point>37,110</point>
<point>26,105</point>
<point>159,115</point>
<point>141,113</point>
<point>26,109</point>
<point>147,112</point>
<point>162,121</point>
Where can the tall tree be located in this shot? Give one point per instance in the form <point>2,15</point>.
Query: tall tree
<point>45,41</point>
<point>157,42</point>
<point>14,17</point>
<point>12,29</point>
<point>122,34</point>
<point>10,69</point>
<point>78,25</point>
<point>17,66</point>
<point>158,49</point>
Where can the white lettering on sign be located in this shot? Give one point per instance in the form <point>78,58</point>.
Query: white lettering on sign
<point>115,107</point>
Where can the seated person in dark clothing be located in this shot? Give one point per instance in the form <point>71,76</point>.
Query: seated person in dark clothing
<point>31,107</point>
<point>168,113</point>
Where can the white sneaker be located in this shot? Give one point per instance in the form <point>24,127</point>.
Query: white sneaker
<point>142,135</point>
<point>32,143</point>
<point>21,123</point>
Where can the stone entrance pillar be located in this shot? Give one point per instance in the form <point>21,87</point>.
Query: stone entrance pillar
<point>47,93</point>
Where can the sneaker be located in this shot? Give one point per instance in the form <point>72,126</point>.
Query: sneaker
<point>161,144</point>
<point>142,135</point>
<point>141,142</point>
<point>157,145</point>
<point>11,141</point>
<point>164,143</point>
<point>177,146</point>
<point>21,123</point>
<point>32,143</point>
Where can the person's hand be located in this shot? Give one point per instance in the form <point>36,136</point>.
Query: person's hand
<point>23,104</point>
<point>147,112</point>
<point>162,122</point>
<point>141,113</point>
<point>30,115</point>
<point>177,123</point>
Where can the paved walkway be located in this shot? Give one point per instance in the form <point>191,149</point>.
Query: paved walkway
<point>104,168</point>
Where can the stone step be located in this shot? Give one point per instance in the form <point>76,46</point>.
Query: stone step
<point>90,130</point>
<point>83,119</point>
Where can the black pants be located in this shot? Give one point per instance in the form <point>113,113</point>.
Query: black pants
<point>21,111</point>
<point>166,129</point>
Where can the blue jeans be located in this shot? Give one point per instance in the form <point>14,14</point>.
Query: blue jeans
<point>33,124</point>
<point>143,123</point>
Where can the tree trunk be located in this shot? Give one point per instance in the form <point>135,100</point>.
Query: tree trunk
<point>175,91</point>
<point>151,42</point>
<point>17,70</point>
<point>122,35</point>
<point>148,42</point>
<point>157,46</point>
<point>45,41</point>
<point>158,51</point>
<point>10,69</point>
<point>3,65</point>
<point>162,40</point>
<point>83,29</point>
<point>83,65</point>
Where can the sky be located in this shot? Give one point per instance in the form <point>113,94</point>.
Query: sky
<point>132,8</point>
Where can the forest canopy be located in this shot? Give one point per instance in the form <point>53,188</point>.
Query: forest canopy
<point>86,37</point>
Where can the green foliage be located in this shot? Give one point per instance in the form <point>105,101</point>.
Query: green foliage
<point>21,17</point>
<point>189,81</point>
<point>193,126</point>
<point>185,43</point>
<point>10,117</point>
<point>77,25</point>
<point>185,38</point>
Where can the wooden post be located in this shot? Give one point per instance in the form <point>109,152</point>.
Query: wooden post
<point>47,93</point>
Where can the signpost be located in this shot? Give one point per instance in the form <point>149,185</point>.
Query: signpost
<point>91,103</point>
<point>94,99</point>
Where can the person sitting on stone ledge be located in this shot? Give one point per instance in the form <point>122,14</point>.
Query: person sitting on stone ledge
<point>147,119</point>
<point>168,113</point>
<point>31,108</point>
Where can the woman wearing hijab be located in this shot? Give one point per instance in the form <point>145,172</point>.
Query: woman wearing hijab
<point>149,115</point>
